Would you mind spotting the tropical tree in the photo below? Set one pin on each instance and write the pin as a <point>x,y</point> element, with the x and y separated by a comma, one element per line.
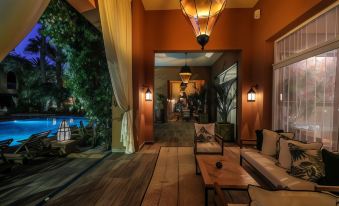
<point>38,45</point>
<point>86,71</point>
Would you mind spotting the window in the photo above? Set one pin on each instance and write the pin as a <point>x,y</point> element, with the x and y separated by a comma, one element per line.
<point>11,80</point>
<point>306,82</point>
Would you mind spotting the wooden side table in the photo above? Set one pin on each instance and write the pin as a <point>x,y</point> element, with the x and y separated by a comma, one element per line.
<point>65,147</point>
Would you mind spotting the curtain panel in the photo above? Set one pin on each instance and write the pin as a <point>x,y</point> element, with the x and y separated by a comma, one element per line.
<point>17,19</point>
<point>116,23</point>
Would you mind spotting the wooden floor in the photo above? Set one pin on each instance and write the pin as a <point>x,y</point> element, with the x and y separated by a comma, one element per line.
<point>121,179</point>
<point>29,184</point>
<point>174,181</point>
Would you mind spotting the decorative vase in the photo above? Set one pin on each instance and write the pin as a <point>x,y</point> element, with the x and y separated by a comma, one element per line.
<point>218,164</point>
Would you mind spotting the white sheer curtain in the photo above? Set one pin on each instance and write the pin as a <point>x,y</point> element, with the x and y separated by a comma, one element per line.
<point>116,23</point>
<point>17,19</point>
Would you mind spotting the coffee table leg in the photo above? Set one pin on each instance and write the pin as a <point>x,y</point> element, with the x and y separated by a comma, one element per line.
<point>206,196</point>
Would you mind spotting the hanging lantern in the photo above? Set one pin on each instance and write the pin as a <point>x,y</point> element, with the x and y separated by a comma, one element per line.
<point>202,14</point>
<point>251,95</point>
<point>185,72</point>
<point>148,95</point>
<point>183,86</point>
<point>64,132</point>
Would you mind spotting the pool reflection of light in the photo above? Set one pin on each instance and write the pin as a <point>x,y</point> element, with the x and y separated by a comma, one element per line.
<point>22,129</point>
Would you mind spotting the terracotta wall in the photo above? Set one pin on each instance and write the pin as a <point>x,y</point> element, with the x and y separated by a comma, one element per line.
<point>235,30</point>
<point>138,22</point>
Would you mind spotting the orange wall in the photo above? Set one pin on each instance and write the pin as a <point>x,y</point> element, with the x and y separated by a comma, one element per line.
<point>138,71</point>
<point>235,30</point>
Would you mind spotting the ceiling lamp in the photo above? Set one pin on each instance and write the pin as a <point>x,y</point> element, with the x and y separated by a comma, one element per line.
<point>185,72</point>
<point>183,86</point>
<point>202,14</point>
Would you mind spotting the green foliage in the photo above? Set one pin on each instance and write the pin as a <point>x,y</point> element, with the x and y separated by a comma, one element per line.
<point>226,98</point>
<point>86,73</point>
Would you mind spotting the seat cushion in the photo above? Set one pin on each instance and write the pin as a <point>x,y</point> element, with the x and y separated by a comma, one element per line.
<point>278,176</point>
<point>262,197</point>
<point>208,147</point>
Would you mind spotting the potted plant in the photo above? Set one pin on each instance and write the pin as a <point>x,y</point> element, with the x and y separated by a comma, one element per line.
<point>226,102</point>
<point>160,108</point>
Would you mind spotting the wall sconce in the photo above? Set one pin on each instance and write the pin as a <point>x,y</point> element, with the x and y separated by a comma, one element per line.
<point>148,95</point>
<point>251,95</point>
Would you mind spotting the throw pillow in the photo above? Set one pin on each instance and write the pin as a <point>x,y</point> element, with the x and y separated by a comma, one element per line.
<point>283,135</point>
<point>306,164</point>
<point>262,197</point>
<point>207,130</point>
<point>284,158</point>
<point>269,146</point>
<point>331,161</point>
<point>260,137</point>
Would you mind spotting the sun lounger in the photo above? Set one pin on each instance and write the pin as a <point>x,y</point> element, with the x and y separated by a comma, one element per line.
<point>29,149</point>
<point>4,145</point>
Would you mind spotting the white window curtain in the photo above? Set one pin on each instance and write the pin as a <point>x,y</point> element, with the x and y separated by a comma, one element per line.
<point>17,19</point>
<point>306,99</point>
<point>116,23</point>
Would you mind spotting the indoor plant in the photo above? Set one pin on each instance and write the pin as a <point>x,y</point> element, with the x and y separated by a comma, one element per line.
<point>226,101</point>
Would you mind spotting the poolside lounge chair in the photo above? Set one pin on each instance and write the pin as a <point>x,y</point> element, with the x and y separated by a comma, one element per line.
<point>4,145</point>
<point>29,149</point>
<point>89,132</point>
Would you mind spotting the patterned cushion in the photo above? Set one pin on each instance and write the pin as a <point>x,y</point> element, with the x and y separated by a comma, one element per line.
<point>207,131</point>
<point>306,163</point>
<point>284,157</point>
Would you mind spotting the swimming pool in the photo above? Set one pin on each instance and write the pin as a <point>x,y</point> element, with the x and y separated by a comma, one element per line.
<point>24,128</point>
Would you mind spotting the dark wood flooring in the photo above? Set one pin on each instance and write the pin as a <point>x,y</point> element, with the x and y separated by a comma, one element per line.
<point>118,179</point>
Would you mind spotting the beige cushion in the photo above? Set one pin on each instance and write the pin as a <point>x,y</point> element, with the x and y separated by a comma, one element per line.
<point>269,145</point>
<point>278,176</point>
<point>262,197</point>
<point>285,159</point>
<point>209,147</point>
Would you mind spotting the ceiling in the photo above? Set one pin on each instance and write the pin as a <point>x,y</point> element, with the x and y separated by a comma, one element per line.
<point>174,4</point>
<point>193,59</point>
<point>88,9</point>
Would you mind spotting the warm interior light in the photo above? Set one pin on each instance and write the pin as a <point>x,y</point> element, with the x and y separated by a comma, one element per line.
<point>202,14</point>
<point>251,95</point>
<point>185,72</point>
<point>148,95</point>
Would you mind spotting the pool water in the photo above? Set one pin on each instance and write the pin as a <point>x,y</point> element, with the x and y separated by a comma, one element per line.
<point>24,128</point>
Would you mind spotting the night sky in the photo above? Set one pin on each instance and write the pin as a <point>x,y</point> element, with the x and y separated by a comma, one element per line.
<point>20,49</point>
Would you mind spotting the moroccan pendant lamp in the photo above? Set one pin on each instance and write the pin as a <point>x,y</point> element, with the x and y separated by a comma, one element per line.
<point>202,14</point>
<point>185,72</point>
<point>183,86</point>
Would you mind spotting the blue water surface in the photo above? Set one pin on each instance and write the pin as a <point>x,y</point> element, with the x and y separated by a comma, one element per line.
<point>24,128</point>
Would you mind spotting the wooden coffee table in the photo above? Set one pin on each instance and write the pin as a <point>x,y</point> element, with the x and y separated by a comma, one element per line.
<point>232,176</point>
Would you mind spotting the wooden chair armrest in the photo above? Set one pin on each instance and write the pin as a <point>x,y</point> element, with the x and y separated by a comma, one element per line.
<point>326,188</point>
<point>218,136</point>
